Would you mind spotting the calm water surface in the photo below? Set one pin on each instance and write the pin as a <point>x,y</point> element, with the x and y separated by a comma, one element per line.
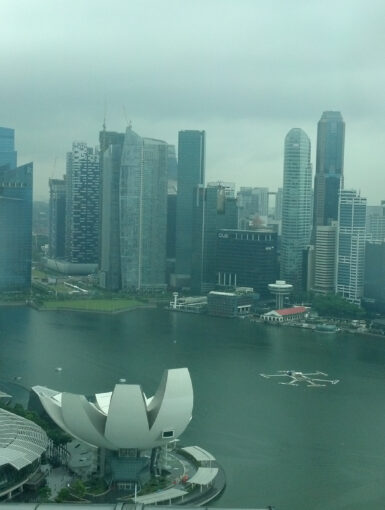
<point>297,448</point>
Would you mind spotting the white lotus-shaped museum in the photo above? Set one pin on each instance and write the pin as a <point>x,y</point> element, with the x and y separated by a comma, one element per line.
<point>125,417</point>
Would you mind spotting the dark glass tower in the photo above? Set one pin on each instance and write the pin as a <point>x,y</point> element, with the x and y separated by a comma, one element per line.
<point>191,173</point>
<point>57,217</point>
<point>8,155</point>
<point>329,168</point>
<point>110,275</point>
<point>212,211</point>
<point>15,227</point>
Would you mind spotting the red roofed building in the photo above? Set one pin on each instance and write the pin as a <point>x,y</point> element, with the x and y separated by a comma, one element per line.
<point>285,314</point>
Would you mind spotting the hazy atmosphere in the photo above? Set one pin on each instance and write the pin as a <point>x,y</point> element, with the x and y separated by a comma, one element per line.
<point>244,71</point>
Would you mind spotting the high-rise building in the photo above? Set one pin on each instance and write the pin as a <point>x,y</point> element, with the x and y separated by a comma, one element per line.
<point>253,203</point>
<point>329,167</point>
<point>213,210</point>
<point>8,155</point>
<point>106,139</point>
<point>110,273</point>
<point>374,281</point>
<point>296,205</point>
<point>375,222</point>
<point>172,164</point>
<point>247,258</point>
<point>351,245</point>
<point>325,259</point>
<point>143,212</point>
<point>278,204</point>
<point>82,207</point>
<point>191,173</point>
<point>57,218</point>
<point>15,227</point>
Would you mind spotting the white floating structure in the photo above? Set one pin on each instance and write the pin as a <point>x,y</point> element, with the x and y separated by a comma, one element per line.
<point>124,418</point>
<point>280,289</point>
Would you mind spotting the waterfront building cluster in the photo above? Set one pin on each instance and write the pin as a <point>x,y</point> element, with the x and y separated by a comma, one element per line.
<point>138,215</point>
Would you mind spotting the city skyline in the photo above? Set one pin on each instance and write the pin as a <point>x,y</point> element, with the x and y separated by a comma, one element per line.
<point>244,93</point>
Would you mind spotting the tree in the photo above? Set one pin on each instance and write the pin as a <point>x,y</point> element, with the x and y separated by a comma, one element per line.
<point>332,305</point>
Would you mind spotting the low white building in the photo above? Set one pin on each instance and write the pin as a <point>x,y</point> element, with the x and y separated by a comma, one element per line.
<point>285,314</point>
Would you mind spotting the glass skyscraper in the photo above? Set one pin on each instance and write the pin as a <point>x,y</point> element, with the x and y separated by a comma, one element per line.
<point>57,218</point>
<point>8,155</point>
<point>296,205</point>
<point>143,212</point>
<point>191,173</point>
<point>15,227</point>
<point>110,275</point>
<point>329,167</point>
<point>213,210</point>
<point>351,245</point>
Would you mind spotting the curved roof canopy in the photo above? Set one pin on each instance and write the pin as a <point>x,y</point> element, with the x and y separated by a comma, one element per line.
<point>21,441</point>
<point>125,417</point>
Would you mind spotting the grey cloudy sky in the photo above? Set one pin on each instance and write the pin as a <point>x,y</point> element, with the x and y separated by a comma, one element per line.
<point>246,71</point>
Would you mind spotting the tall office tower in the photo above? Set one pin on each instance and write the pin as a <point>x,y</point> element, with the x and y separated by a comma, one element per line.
<point>329,167</point>
<point>296,206</point>
<point>191,173</point>
<point>278,204</point>
<point>15,227</point>
<point>8,155</point>
<point>325,259</point>
<point>110,273</point>
<point>247,258</point>
<point>106,138</point>
<point>57,218</point>
<point>82,207</point>
<point>351,245</point>
<point>375,222</point>
<point>172,164</point>
<point>143,212</point>
<point>253,203</point>
<point>213,211</point>
<point>374,280</point>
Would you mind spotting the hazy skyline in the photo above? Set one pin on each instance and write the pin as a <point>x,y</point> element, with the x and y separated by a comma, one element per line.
<point>244,71</point>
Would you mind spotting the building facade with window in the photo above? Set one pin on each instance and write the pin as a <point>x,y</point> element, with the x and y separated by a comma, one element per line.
<point>296,206</point>
<point>247,258</point>
<point>351,246</point>
<point>16,227</point>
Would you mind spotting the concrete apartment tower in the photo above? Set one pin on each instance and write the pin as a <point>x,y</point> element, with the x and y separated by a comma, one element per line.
<point>351,246</point>
<point>191,174</point>
<point>143,212</point>
<point>296,205</point>
<point>82,205</point>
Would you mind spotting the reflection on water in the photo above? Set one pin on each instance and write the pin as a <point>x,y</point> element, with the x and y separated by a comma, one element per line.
<point>294,447</point>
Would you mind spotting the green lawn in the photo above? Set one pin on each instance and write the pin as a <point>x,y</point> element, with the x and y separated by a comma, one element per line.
<point>98,305</point>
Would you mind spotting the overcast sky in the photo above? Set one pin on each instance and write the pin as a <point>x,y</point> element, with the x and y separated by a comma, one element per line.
<point>246,71</point>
